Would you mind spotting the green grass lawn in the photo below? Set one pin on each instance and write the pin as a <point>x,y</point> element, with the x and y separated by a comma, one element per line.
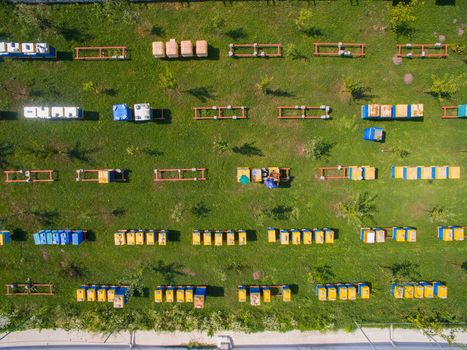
<point>183,142</point>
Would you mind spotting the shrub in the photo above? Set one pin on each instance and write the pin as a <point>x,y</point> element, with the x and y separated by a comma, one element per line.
<point>402,17</point>
<point>91,86</point>
<point>263,85</point>
<point>303,21</point>
<point>317,148</point>
<point>216,23</point>
<point>292,52</point>
<point>357,209</point>
<point>356,89</point>
<point>200,210</point>
<point>167,80</point>
<point>219,145</point>
<point>446,86</point>
<point>439,214</point>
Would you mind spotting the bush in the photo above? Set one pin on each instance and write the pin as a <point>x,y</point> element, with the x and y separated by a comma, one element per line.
<point>357,209</point>
<point>303,21</point>
<point>91,86</point>
<point>220,146</point>
<point>446,86</point>
<point>167,80</point>
<point>317,148</point>
<point>402,17</point>
<point>292,52</point>
<point>263,85</point>
<point>356,89</point>
<point>439,214</point>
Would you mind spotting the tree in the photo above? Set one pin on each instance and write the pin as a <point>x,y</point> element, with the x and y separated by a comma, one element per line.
<point>434,325</point>
<point>357,209</point>
<point>263,85</point>
<point>446,86</point>
<point>167,80</point>
<point>402,17</point>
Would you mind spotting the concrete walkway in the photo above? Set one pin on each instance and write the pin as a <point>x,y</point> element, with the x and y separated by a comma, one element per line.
<point>382,338</point>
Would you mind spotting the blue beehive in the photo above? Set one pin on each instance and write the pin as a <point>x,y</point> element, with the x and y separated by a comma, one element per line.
<point>46,236</point>
<point>77,237</point>
<point>65,237</point>
<point>56,237</point>
<point>121,112</point>
<point>37,238</point>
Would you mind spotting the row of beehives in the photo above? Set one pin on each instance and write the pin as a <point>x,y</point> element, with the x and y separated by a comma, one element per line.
<point>368,235</point>
<point>171,49</point>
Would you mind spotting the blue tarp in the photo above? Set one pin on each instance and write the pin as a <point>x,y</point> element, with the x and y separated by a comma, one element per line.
<point>270,183</point>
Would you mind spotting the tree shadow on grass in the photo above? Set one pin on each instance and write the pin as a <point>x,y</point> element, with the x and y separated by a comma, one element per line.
<point>80,153</point>
<point>280,212</point>
<point>200,210</point>
<point>168,271</point>
<point>404,271</point>
<point>313,32</point>
<point>323,274</point>
<point>236,34</point>
<point>248,149</point>
<point>6,150</point>
<point>44,217</point>
<point>279,93</point>
<point>202,93</point>
<point>157,31</point>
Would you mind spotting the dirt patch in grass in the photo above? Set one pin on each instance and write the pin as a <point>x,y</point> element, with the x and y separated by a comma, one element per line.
<point>186,271</point>
<point>408,78</point>
<point>337,88</point>
<point>418,209</point>
<point>397,60</point>
<point>301,149</point>
<point>17,91</point>
<point>256,275</point>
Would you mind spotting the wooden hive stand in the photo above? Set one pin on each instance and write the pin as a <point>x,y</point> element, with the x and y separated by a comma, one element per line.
<point>100,53</point>
<point>29,176</point>
<point>44,289</point>
<point>257,50</point>
<point>437,50</point>
<point>283,110</point>
<point>217,113</point>
<point>340,49</point>
<point>180,174</point>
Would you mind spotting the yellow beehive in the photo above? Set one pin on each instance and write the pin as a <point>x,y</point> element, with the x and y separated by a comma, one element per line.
<point>158,295</point>
<point>411,235</point>
<point>458,233</point>
<point>342,292</point>
<point>398,291</point>
<point>332,293</point>
<point>285,237</point>
<point>242,294</point>
<point>180,295</point>
<point>120,237</point>
<point>295,237</point>
<point>81,294</point>
<point>111,294</point>
<point>418,291</point>
<point>266,295</point>
<point>218,238</point>
<point>102,294</point>
<point>271,235</point>
<point>196,238</point>
<point>91,294</point>
<point>207,237</point>
<point>150,239</point>
<point>189,294</point>
<point>408,291</point>
<point>169,295</point>
<point>286,294</point>
<point>130,238</point>
<point>329,236</point>
<point>319,236</point>
<point>351,292</point>
<point>399,233</point>
<point>364,291</point>
<point>230,237</point>
<point>307,237</point>
<point>428,290</point>
<point>242,237</point>
<point>322,293</point>
<point>162,237</point>
<point>139,237</point>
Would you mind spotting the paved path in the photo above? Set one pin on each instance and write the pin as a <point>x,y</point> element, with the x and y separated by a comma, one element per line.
<point>61,339</point>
